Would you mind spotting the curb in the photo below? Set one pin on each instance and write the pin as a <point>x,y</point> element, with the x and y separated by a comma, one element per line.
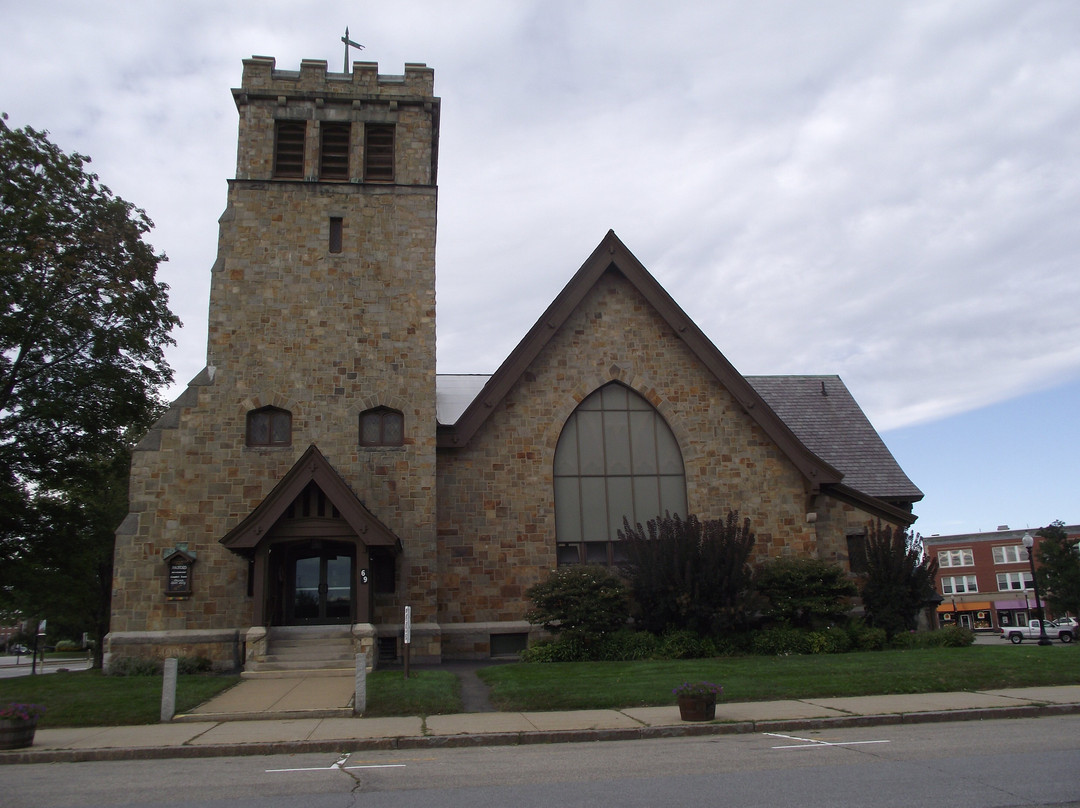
<point>527,738</point>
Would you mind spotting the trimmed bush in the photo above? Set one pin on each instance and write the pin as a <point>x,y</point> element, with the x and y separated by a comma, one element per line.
<point>67,646</point>
<point>133,666</point>
<point>626,646</point>
<point>584,600</point>
<point>780,641</point>
<point>193,664</point>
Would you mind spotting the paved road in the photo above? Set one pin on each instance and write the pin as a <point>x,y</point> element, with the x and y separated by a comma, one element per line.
<point>11,666</point>
<point>1028,762</point>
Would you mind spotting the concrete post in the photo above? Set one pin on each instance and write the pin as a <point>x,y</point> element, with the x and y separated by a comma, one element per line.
<point>168,691</point>
<point>360,698</point>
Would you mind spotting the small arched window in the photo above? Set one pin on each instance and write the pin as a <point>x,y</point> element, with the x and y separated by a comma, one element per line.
<point>616,457</point>
<point>382,427</point>
<point>269,426</point>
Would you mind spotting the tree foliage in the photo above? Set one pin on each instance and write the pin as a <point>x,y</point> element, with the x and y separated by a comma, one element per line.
<point>64,566</point>
<point>83,325</point>
<point>83,321</point>
<point>689,574</point>
<point>586,600</point>
<point>804,592</point>
<point>1059,569</point>
<point>899,579</point>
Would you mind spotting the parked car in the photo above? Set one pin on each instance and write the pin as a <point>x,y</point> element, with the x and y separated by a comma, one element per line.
<point>1017,634</point>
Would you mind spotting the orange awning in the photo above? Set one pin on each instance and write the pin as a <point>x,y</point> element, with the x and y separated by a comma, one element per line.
<point>966,606</point>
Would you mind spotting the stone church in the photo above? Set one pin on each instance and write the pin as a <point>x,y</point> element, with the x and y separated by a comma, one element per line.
<point>319,476</point>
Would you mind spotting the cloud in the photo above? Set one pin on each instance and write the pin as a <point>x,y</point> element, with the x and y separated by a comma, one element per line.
<point>884,191</point>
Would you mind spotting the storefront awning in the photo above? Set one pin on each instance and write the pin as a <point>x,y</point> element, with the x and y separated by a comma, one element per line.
<point>969,606</point>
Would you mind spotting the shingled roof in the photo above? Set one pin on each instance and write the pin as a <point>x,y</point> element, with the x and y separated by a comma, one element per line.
<point>821,411</point>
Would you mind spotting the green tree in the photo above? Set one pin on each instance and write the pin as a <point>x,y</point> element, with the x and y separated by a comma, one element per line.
<point>64,567</point>
<point>83,326</point>
<point>804,592</point>
<point>585,600</point>
<point>899,578</point>
<point>689,574</point>
<point>83,321</point>
<point>1059,569</point>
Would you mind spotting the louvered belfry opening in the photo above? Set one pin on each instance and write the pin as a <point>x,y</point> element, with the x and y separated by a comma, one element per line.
<point>379,152</point>
<point>334,151</point>
<point>289,148</point>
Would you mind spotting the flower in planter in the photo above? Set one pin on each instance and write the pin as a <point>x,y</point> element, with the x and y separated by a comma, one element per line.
<point>14,711</point>
<point>698,690</point>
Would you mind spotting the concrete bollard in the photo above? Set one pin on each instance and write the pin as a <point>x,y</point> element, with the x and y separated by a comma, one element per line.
<point>168,690</point>
<point>360,698</point>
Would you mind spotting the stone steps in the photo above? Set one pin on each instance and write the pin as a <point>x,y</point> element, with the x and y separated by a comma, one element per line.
<point>307,651</point>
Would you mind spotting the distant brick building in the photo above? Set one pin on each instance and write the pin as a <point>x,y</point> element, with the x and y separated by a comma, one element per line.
<point>318,473</point>
<point>984,579</point>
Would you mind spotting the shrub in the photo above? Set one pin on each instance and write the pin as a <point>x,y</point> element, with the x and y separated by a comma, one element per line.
<point>133,666</point>
<point>688,574</point>
<point>899,579</point>
<point>780,641</point>
<point>66,646</point>
<point>193,664</point>
<point>586,600</point>
<point>867,638</point>
<point>952,637</point>
<point>564,648</point>
<point>681,645</point>
<point>804,592</point>
<point>627,645</point>
<point>832,640</point>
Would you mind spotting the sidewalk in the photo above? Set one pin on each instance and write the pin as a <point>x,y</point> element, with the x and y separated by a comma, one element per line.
<point>282,718</point>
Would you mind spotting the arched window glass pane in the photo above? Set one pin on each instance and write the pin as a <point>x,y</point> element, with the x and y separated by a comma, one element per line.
<point>269,426</point>
<point>616,457</point>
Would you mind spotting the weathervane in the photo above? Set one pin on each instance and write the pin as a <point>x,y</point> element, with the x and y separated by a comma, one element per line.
<point>349,42</point>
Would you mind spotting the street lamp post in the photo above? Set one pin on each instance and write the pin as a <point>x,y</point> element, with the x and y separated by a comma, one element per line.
<point>1029,544</point>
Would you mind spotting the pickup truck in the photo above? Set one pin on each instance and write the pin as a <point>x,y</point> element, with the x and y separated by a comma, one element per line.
<point>1017,634</point>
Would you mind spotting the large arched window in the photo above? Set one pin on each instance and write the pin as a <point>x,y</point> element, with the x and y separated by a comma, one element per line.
<point>616,457</point>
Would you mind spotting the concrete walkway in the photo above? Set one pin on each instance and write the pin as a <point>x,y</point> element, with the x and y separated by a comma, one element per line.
<point>278,729</point>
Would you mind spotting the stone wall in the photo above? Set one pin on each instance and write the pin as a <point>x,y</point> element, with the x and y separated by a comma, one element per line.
<point>496,495</point>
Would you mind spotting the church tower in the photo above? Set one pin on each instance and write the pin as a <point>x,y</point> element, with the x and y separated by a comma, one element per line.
<point>294,481</point>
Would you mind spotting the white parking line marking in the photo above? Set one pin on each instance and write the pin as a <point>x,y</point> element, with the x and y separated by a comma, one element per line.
<point>339,764</point>
<point>809,743</point>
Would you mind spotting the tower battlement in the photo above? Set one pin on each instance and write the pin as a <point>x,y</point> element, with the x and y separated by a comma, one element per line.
<point>262,78</point>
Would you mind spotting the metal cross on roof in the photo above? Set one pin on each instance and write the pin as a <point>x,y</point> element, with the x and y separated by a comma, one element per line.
<point>349,42</point>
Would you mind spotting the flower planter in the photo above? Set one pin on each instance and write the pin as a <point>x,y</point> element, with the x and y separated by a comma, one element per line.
<point>696,708</point>
<point>17,733</point>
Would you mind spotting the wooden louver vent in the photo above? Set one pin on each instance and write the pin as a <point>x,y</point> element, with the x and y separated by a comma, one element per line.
<point>289,149</point>
<point>379,152</point>
<point>334,152</point>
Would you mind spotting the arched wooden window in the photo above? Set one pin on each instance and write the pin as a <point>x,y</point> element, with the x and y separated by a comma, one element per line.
<point>382,426</point>
<point>616,457</point>
<point>269,426</point>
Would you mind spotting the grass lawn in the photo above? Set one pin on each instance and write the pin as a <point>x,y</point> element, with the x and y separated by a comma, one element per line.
<point>586,685</point>
<point>90,699</point>
<point>427,692</point>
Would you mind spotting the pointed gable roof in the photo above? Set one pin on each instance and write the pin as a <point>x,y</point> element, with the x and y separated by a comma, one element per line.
<point>611,255</point>
<point>311,467</point>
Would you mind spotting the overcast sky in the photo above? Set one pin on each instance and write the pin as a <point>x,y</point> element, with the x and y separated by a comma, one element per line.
<point>888,191</point>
